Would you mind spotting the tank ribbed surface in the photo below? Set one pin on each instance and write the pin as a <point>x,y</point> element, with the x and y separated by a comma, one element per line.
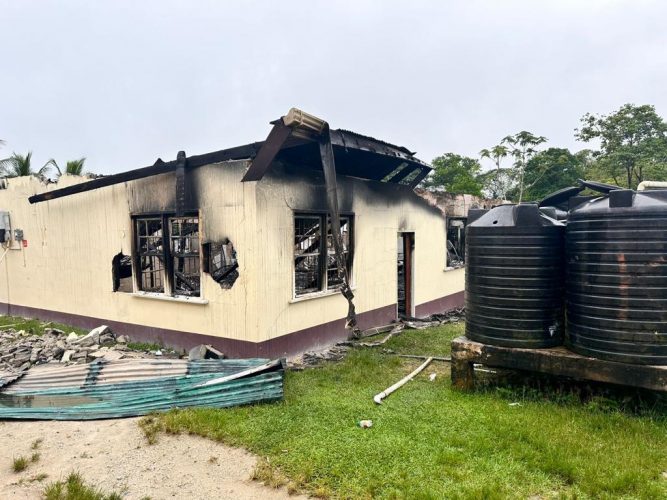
<point>514,278</point>
<point>617,277</point>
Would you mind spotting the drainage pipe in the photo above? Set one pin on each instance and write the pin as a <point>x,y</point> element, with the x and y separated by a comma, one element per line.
<point>379,397</point>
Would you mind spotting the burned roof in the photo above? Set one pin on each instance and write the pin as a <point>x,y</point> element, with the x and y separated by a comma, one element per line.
<point>356,155</point>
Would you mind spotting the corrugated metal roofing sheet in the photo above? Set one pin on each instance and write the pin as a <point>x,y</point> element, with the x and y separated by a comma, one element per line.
<point>112,389</point>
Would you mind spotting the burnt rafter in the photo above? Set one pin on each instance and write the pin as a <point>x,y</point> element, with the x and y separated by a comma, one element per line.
<point>160,167</point>
<point>294,136</point>
<point>181,183</point>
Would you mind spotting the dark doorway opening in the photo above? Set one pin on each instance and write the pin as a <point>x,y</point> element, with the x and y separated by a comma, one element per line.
<point>405,251</point>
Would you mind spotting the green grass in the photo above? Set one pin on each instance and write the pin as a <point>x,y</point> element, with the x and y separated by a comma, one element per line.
<point>19,464</point>
<point>74,488</point>
<point>35,326</point>
<point>429,441</point>
<point>144,346</point>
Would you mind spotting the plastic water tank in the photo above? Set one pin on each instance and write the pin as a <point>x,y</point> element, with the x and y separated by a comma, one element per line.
<point>514,278</point>
<point>617,277</point>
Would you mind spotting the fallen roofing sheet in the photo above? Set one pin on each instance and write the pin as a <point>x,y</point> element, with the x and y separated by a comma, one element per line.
<point>124,388</point>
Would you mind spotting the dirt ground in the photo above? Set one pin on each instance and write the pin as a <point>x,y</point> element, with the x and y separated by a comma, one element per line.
<point>114,455</point>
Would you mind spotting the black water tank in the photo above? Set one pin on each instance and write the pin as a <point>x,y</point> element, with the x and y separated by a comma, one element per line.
<point>617,277</point>
<point>514,278</point>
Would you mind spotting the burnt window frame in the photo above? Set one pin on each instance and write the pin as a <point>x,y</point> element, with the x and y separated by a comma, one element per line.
<point>167,254</point>
<point>457,244</point>
<point>323,251</point>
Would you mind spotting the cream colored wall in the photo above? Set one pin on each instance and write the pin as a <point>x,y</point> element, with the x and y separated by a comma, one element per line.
<point>71,241</point>
<point>66,266</point>
<point>381,211</point>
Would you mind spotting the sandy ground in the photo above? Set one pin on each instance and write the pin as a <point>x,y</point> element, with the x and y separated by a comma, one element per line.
<point>114,455</point>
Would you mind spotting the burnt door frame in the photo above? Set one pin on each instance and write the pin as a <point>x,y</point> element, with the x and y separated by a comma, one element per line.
<point>408,239</point>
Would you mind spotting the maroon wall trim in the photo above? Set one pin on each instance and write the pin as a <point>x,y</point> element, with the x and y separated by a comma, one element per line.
<point>442,304</point>
<point>286,345</point>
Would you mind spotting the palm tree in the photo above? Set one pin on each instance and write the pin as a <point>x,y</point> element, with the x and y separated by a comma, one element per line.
<point>18,165</point>
<point>73,167</point>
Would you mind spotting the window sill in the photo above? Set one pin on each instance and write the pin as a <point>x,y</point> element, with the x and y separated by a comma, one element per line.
<point>447,269</point>
<point>317,295</point>
<point>168,298</point>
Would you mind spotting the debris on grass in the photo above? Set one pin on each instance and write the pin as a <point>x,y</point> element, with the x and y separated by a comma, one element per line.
<point>365,424</point>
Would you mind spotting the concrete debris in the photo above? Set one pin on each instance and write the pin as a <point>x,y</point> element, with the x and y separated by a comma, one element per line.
<point>101,335</point>
<point>19,350</point>
<point>338,351</point>
<point>312,358</point>
<point>453,316</point>
<point>365,424</point>
<point>204,351</point>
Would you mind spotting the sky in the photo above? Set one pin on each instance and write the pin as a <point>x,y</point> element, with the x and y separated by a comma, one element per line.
<point>125,82</point>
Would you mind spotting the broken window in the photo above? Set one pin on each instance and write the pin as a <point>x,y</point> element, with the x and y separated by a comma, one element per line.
<point>151,252</point>
<point>456,234</point>
<point>168,255</point>
<point>333,279</point>
<point>184,239</point>
<point>307,251</point>
<point>220,262</point>
<point>121,271</point>
<point>315,267</point>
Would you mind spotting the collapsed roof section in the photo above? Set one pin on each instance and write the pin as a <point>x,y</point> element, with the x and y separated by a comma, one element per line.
<point>294,139</point>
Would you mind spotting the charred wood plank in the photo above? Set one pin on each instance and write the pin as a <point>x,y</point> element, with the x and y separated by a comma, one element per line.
<point>160,167</point>
<point>329,168</point>
<point>181,181</point>
<point>274,142</point>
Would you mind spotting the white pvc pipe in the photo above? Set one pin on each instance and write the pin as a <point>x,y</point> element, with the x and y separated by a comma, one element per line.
<point>379,397</point>
<point>651,184</point>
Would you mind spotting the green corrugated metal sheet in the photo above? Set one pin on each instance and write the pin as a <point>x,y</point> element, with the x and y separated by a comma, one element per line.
<point>126,388</point>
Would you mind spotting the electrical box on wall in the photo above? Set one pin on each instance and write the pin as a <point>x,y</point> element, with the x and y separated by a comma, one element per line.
<point>5,227</point>
<point>18,234</point>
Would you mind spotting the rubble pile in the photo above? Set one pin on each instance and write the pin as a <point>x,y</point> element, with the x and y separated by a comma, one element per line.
<point>19,350</point>
<point>338,351</point>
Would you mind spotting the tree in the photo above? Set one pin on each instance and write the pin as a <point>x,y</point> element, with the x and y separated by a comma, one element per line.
<point>551,170</point>
<point>633,143</point>
<point>522,147</point>
<point>455,174</point>
<point>497,183</point>
<point>497,154</point>
<point>18,165</point>
<point>73,167</point>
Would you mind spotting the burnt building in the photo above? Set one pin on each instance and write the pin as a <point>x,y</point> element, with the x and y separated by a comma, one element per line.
<point>266,249</point>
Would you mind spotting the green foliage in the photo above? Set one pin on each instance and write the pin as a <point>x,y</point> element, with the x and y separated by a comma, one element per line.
<point>550,170</point>
<point>73,167</point>
<point>35,326</point>
<point>19,464</point>
<point>18,165</point>
<point>74,488</point>
<point>455,174</point>
<point>633,144</point>
<point>522,146</point>
<point>429,441</point>
<point>496,183</point>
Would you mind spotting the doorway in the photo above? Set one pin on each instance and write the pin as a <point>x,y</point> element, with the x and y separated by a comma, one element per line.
<point>405,250</point>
